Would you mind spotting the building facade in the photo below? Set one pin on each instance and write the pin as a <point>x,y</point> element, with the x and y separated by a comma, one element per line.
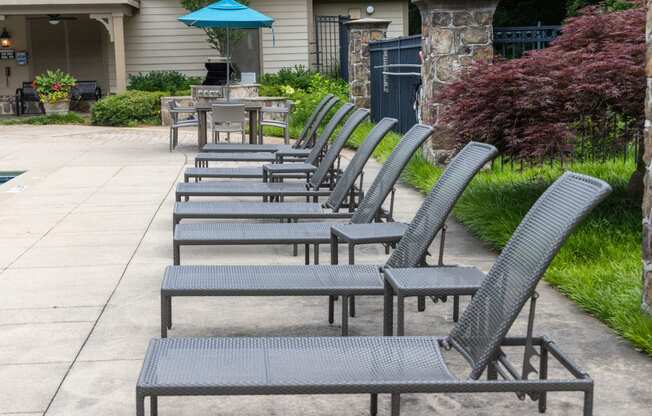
<point>106,40</point>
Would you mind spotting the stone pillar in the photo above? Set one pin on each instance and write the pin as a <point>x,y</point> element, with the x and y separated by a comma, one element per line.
<point>647,157</point>
<point>455,33</point>
<point>361,32</point>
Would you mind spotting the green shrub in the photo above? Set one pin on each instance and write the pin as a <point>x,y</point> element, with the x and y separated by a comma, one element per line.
<point>128,109</point>
<point>298,77</point>
<point>305,88</point>
<point>173,82</point>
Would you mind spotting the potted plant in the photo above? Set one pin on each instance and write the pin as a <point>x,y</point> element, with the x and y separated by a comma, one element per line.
<point>53,88</point>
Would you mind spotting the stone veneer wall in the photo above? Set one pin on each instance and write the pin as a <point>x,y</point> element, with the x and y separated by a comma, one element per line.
<point>647,198</point>
<point>361,32</point>
<point>455,33</point>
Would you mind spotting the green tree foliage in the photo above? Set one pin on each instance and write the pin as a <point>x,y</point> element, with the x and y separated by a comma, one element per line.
<point>530,12</point>
<point>573,6</point>
<point>216,36</point>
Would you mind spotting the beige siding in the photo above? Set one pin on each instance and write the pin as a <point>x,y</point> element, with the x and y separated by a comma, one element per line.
<point>155,40</point>
<point>393,10</point>
<point>291,26</point>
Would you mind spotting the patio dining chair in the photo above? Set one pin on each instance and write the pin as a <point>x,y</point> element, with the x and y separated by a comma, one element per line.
<point>318,168</point>
<point>312,157</point>
<point>280,155</point>
<point>228,118</point>
<point>304,140</point>
<point>227,366</point>
<point>176,122</point>
<point>278,117</point>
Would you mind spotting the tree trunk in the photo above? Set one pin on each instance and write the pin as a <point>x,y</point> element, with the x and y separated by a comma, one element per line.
<point>647,195</point>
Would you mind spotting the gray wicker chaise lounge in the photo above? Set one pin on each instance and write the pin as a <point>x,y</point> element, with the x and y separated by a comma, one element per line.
<point>396,365</point>
<point>370,209</point>
<point>351,280</point>
<point>319,169</point>
<point>304,140</point>
<point>201,170</point>
<point>345,183</point>
<point>316,147</point>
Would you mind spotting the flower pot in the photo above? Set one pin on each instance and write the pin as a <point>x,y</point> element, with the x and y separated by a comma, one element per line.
<point>59,107</point>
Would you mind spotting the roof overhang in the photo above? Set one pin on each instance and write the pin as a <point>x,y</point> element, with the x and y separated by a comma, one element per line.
<point>27,7</point>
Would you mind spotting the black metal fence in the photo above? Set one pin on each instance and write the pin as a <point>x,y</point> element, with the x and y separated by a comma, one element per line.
<point>331,46</point>
<point>513,42</point>
<point>395,79</point>
<point>610,139</point>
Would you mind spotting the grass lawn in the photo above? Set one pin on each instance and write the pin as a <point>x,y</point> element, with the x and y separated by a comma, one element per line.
<point>70,118</point>
<point>599,267</point>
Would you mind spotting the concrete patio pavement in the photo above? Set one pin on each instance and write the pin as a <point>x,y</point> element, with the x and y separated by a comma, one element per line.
<point>86,235</point>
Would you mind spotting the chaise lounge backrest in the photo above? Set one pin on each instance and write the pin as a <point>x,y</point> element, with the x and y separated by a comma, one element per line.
<point>314,120</point>
<point>514,276</point>
<point>354,168</point>
<point>327,162</point>
<point>389,173</point>
<point>329,129</point>
<point>436,208</point>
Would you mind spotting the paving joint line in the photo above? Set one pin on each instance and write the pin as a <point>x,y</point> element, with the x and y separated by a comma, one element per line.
<point>115,288</point>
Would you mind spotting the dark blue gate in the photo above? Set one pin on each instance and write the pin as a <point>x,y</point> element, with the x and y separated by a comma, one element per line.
<point>395,79</point>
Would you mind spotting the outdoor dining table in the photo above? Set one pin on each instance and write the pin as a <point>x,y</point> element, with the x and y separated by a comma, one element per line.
<point>252,108</point>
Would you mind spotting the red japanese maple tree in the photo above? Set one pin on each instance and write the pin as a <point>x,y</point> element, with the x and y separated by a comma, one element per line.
<point>531,106</point>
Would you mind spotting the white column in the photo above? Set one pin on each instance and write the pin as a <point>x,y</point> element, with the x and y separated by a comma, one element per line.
<point>119,50</point>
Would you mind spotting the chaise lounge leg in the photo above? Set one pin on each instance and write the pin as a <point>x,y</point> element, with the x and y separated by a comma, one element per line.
<point>421,303</point>
<point>164,317</point>
<point>345,315</point>
<point>388,311</point>
<point>176,254</point>
<point>153,406</point>
<point>140,405</point>
<point>456,308</point>
<point>316,254</point>
<point>588,402</point>
<point>543,375</point>
<point>306,249</point>
<point>331,309</point>
<point>400,316</point>
<point>352,306</point>
<point>373,405</point>
<point>396,404</point>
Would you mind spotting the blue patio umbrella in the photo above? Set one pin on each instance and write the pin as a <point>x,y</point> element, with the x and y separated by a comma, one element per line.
<point>227,14</point>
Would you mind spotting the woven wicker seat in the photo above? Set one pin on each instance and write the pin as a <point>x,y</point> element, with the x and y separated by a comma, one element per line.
<point>229,366</point>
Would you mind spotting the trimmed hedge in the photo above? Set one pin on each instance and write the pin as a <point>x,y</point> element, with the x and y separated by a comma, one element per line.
<point>129,109</point>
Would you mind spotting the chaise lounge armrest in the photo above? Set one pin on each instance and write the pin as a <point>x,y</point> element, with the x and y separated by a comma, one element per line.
<point>435,281</point>
<point>269,171</point>
<point>292,153</point>
<point>369,233</point>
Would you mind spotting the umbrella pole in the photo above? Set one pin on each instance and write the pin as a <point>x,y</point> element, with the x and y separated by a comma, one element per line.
<point>228,64</point>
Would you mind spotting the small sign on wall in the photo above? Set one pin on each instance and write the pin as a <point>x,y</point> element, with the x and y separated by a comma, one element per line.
<point>21,58</point>
<point>6,54</point>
